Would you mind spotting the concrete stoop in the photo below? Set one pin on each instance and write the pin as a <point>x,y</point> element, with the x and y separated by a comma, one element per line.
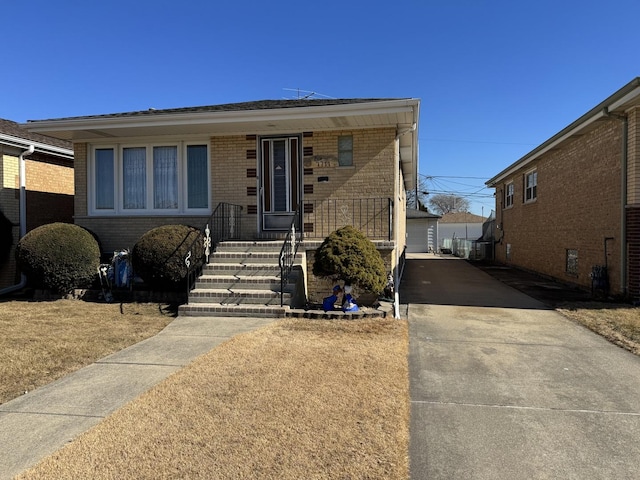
<point>242,279</point>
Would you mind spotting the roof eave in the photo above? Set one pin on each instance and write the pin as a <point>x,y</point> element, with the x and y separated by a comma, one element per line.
<point>222,117</point>
<point>618,101</point>
<point>23,144</point>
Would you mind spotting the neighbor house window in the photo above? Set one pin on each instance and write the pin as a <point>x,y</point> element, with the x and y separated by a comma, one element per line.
<point>530,186</point>
<point>572,261</point>
<point>150,179</point>
<point>345,150</point>
<point>508,251</point>
<point>508,195</point>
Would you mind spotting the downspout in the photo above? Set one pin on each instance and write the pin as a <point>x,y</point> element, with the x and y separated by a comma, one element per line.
<point>623,195</point>
<point>396,276</point>
<point>23,213</point>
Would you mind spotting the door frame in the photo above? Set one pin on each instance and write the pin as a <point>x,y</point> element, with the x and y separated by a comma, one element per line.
<point>269,219</point>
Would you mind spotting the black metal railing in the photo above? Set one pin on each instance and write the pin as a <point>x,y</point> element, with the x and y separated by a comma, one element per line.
<point>289,250</point>
<point>223,224</point>
<point>372,216</point>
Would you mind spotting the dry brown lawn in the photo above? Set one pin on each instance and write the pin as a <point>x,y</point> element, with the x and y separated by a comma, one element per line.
<point>618,323</point>
<point>296,399</point>
<point>43,341</point>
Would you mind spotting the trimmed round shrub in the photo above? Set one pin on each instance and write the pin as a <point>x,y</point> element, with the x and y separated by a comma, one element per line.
<point>159,256</point>
<point>6,238</point>
<point>59,257</point>
<point>347,254</point>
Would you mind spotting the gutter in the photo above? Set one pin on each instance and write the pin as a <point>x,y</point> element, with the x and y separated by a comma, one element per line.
<point>23,213</point>
<point>17,142</point>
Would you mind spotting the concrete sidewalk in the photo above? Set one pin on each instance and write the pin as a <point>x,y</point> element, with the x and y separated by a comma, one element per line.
<point>502,387</point>
<point>41,422</point>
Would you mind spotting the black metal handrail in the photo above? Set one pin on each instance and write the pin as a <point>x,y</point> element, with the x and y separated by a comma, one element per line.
<point>372,216</point>
<point>223,224</point>
<point>289,250</point>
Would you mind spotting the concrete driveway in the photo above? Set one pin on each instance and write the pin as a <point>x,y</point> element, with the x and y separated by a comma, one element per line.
<point>502,387</point>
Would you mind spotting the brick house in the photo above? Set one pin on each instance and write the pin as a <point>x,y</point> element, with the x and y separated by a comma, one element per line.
<point>334,162</point>
<point>42,193</point>
<point>572,205</point>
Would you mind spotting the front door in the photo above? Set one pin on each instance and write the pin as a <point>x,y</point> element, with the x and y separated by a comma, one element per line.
<point>279,181</point>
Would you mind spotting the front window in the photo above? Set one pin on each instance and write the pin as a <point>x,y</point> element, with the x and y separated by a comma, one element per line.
<point>150,179</point>
<point>345,150</point>
<point>508,195</point>
<point>104,178</point>
<point>165,177</point>
<point>134,178</point>
<point>531,186</point>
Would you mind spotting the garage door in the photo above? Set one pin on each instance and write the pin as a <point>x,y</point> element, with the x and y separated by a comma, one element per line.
<point>417,235</point>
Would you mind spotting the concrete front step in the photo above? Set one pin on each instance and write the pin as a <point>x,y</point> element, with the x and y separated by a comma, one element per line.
<point>222,310</point>
<point>243,282</point>
<point>237,296</point>
<point>242,279</point>
<point>262,246</point>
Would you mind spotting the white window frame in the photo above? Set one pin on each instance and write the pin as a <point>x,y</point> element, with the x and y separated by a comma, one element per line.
<point>342,152</point>
<point>533,188</point>
<point>509,190</point>
<point>181,149</point>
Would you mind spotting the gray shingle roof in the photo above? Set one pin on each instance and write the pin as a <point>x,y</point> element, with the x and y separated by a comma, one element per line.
<point>13,129</point>
<point>237,107</point>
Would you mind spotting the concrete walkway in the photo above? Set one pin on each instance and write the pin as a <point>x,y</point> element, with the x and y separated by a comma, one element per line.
<point>39,423</point>
<point>504,388</point>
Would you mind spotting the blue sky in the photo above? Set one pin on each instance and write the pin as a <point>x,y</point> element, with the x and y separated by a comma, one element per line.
<point>495,78</point>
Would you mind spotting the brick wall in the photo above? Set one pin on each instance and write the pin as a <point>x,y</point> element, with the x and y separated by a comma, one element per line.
<point>633,239</point>
<point>117,233</point>
<point>49,198</point>
<point>578,205</point>
<point>371,176</point>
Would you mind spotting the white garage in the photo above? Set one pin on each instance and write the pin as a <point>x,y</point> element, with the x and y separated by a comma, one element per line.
<point>422,231</point>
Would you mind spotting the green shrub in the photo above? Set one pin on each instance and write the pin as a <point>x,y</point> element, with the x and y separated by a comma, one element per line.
<point>6,238</point>
<point>58,257</point>
<point>347,254</point>
<point>159,256</point>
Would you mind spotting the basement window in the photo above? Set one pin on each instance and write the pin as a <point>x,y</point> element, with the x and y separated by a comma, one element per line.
<point>572,261</point>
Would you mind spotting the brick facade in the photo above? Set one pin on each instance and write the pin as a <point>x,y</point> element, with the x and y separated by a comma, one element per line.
<point>578,208</point>
<point>235,178</point>
<point>49,198</point>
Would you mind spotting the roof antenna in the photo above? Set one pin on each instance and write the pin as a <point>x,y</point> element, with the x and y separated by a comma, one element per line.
<point>306,94</point>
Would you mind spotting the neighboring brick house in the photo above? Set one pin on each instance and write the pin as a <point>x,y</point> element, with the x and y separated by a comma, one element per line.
<point>573,203</point>
<point>48,186</point>
<point>341,161</point>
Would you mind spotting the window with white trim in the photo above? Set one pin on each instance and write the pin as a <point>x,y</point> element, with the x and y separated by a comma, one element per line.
<point>531,186</point>
<point>345,150</point>
<point>508,195</point>
<point>149,179</point>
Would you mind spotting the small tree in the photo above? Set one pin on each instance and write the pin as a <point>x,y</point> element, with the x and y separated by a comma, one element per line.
<point>443,203</point>
<point>348,255</point>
